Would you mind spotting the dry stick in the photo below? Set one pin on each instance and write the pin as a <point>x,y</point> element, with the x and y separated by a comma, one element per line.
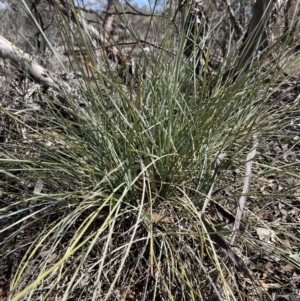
<point>238,27</point>
<point>242,202</point>
<point>107,28</point>
<point>247,179</point>
<point>289,19</point>
<point>137,13</point>
<point>66,10</point>
<point>26,63</point>
<point>92,33</point>
<point>109,19</point>
<point>139,41</point>
<point>212,181</point>
<point>125,12</point>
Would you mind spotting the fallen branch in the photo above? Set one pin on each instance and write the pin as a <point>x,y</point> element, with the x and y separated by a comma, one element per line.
<point>45,78</point>
<point>28,64</point>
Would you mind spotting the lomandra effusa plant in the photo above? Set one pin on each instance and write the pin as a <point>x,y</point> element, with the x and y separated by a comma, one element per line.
<point>112,189</point>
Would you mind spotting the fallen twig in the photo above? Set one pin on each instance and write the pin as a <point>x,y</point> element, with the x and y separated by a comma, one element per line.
<point>24,62</point>
<point>237,26</point>
<point>247,179</point>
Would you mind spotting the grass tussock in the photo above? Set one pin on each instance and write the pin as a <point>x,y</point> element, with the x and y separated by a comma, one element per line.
<point>102,198</point>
